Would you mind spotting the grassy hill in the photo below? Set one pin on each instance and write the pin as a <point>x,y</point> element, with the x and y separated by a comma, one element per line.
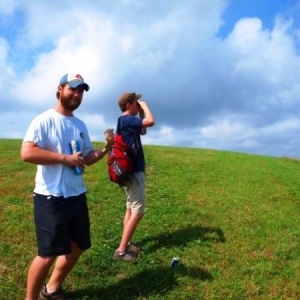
<point>232,218</point>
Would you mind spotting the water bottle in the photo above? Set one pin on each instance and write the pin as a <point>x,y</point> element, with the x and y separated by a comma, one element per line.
<point>74,145</point>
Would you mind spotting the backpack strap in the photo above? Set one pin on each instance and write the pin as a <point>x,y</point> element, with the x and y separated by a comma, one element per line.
<point>118,130</point>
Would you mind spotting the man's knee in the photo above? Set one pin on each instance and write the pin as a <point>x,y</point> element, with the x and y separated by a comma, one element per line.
<point>45,260</point>
<point>139,216</point>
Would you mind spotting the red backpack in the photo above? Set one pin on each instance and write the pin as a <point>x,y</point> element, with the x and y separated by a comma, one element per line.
<point>119,160</point>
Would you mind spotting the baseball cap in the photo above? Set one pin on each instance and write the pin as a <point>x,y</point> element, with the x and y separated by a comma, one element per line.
<point>128,97</point>
<point>74,81</point>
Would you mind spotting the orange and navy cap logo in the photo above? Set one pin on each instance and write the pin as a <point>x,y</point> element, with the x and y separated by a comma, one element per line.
<point>74,80</point>
<point>72,77</point>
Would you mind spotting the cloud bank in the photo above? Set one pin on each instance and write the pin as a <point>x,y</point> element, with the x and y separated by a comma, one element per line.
<point>236,91</point>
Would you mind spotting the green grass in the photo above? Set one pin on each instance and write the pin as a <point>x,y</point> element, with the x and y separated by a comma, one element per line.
<point>232,218</point>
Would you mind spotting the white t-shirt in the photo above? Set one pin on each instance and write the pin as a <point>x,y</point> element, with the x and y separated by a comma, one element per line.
<point>54,131</point>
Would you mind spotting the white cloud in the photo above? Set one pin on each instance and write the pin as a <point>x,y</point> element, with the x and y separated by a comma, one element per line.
<point>238,92</point>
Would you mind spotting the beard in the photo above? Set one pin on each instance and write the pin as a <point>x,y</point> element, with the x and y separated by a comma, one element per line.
<point>69,103</point>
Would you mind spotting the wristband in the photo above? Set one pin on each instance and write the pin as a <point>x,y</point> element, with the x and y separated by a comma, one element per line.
<point>104,150</point>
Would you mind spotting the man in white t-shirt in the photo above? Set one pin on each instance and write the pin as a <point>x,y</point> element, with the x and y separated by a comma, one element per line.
<point>60,208</point>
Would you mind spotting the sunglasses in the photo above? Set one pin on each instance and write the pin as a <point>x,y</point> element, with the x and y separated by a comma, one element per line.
<point>131,98</point>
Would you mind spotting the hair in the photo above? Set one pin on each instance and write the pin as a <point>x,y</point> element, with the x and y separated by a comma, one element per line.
<point>58,93</point>
<point>123,107</point>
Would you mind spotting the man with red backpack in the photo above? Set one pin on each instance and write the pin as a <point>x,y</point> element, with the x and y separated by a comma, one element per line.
<point>131,127</point>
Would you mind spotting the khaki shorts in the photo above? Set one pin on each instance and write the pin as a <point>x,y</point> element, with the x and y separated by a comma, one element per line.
<point>135,191</point>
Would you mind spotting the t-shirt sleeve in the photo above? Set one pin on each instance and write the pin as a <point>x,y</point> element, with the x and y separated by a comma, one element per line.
<point>35,132</point>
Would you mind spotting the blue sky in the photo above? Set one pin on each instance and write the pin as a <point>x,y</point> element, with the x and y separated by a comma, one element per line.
<point>266,10</point>
<point>217,74</point>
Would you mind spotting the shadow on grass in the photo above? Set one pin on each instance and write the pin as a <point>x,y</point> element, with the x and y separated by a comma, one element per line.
<point>159,280</point>
<point>183,236</point>
<point>150,282</point>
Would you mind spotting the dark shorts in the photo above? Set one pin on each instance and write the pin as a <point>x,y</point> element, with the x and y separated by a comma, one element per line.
<point>59,221</point>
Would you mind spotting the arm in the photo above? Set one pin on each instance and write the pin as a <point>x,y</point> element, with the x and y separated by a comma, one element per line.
<point>95,156</point>
<point>32,153</point>
<point>142,116</point>
<point>146,115</point>
<point>98,154</point>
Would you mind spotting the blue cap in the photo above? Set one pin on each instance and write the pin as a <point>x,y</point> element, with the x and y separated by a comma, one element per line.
<point>74,81</point>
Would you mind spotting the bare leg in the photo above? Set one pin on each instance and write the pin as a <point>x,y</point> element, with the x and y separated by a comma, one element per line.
<point>126,217</point>
<point>37,274</point>
<point>130,223</point>
<point>64,264</point>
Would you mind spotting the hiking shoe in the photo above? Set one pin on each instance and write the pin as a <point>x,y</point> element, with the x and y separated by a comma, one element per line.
<point>57,295</point>
<point>125,256</point>
<point>133,249</point>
